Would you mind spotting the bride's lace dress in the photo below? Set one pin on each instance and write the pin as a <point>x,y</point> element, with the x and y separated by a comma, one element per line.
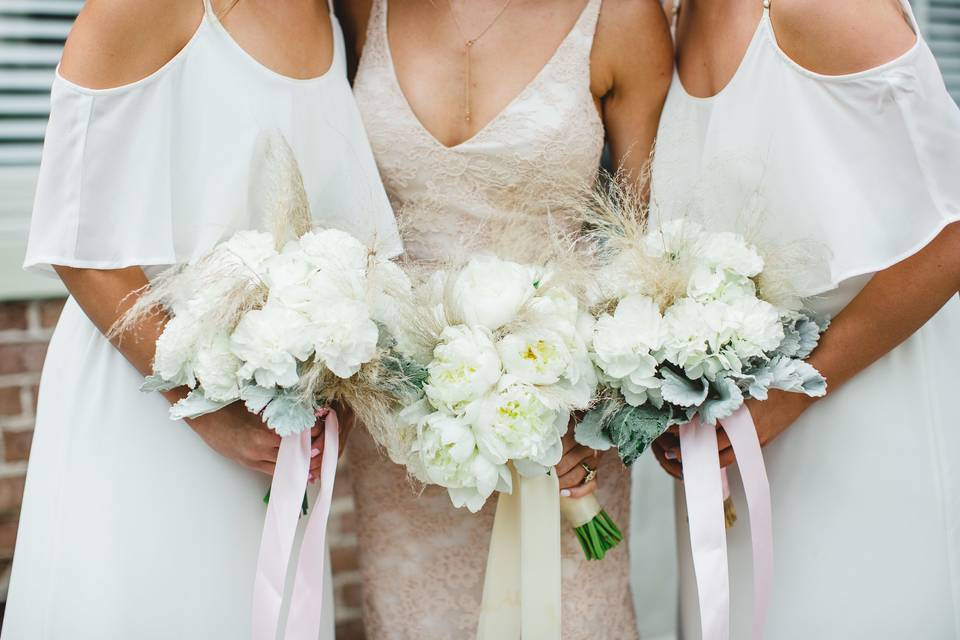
<point>422,560</point>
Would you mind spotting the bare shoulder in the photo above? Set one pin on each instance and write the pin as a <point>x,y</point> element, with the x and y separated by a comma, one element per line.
<point>835,38</point>
<point>632,42</point>
<point>115,42</point>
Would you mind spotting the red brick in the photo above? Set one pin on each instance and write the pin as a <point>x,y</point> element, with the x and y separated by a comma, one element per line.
<point>8,537</point>
<point>343,559</point>
<point>16,445</point>
<point>22,358</point>
<point>10,401</point>
<point>13,316</point>
<point>350,595</point>
<point>351,630</point>
<point>11,494</point>
<point>50,312</point>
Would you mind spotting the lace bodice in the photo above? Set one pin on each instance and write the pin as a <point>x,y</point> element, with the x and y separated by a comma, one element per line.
<point>550,134</point>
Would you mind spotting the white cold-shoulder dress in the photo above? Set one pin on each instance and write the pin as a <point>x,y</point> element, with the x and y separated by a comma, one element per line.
<point>866,484</point>
<point>132,528</point>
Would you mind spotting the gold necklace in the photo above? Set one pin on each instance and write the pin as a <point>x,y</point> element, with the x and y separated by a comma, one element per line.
<point>467,47</point>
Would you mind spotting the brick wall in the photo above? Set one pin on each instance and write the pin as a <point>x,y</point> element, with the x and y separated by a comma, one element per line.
<point>25,329</point>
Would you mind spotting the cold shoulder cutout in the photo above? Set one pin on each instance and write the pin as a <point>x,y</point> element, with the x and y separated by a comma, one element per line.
<point>864,164</point>
<point>156,171</point>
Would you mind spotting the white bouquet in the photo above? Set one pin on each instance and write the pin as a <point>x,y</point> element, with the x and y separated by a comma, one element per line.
<point>286,330</point>
<point>504,346</point>
<point>287,321</point>
<point>699,348</point>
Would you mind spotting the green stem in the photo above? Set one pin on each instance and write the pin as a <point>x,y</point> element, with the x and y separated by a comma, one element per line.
<point>598,536</point>
<point>303,507</point>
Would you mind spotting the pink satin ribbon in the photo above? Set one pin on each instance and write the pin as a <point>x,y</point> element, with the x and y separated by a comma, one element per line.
<point>279,531</point>
<point>703,486</point>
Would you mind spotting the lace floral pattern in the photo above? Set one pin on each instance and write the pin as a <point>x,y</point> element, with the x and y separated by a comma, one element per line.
<point>422,560</point>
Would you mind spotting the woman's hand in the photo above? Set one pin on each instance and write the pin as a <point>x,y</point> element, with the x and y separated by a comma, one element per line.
<point>241,436</point>
<point>771,417</point>
<point>571,469</point>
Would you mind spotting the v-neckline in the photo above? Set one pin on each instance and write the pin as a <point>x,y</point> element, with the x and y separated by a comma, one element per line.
<point>502,113</point>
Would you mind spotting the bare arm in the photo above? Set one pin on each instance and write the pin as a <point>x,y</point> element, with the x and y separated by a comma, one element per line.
<point>115,42</point>
<point>634,49</point>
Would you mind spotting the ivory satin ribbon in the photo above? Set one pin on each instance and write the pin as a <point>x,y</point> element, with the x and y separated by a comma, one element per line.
<point>704,494</point>
<point>279,529</point>
<point>521,589</point>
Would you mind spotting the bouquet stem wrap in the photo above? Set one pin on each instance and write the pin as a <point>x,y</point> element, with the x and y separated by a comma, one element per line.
<point>704,494</point>
<point>279,530</point>
<point>595,530</point>
<point>521,590</point>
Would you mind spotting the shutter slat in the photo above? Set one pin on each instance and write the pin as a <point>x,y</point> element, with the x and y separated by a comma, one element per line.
<point>68,8</point>
<point>34,105</point>
<point>26,28</point>
<point>25,80</point>
<point>22,128</point>
<point>47,55</point>
<point>19,155</point>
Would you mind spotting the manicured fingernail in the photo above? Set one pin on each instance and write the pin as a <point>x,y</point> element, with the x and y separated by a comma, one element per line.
<point>670,455</point>
<point>565,493</point>
<point>314,453</point>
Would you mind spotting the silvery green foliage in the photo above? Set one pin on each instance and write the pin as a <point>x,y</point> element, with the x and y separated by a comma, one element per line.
<point>287,414</point>
<point>700,352</point>
<point>194,405</point>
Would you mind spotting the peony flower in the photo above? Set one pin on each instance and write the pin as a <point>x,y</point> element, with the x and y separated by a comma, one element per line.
<point>217,368</point>
<point>489,292</point>
<point>344,337</point>
<point>270,341</point>
<point>535,355</point>
<point>449,456</point>
<point>465,367</point>
<point>624,345</point>
<point>517,424</point>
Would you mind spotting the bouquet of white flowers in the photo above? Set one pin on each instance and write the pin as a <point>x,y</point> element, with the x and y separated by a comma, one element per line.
<point>288,322</point>
<point>697,342</point>
<point>690,324</point>
<point>504,347</point>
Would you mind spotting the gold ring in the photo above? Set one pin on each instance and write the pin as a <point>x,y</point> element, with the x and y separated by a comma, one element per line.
<point>591,473</point>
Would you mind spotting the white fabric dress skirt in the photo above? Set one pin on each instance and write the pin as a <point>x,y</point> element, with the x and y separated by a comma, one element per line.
<point>132,527</point>
<point>865,485</point>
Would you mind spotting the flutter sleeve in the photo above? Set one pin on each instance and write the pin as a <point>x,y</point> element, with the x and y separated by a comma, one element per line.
<point>103,196</point>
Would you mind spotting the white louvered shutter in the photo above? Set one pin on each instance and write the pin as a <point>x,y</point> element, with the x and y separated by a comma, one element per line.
<point>32,33</point>
<point>940,22</point>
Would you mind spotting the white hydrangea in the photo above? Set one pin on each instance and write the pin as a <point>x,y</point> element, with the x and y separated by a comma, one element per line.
<point>489,292</point>
<point>465,367</point>
<point>334,250</point>
<point>624,345</point>
<point>271,341</point>
<point>516,423</point>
